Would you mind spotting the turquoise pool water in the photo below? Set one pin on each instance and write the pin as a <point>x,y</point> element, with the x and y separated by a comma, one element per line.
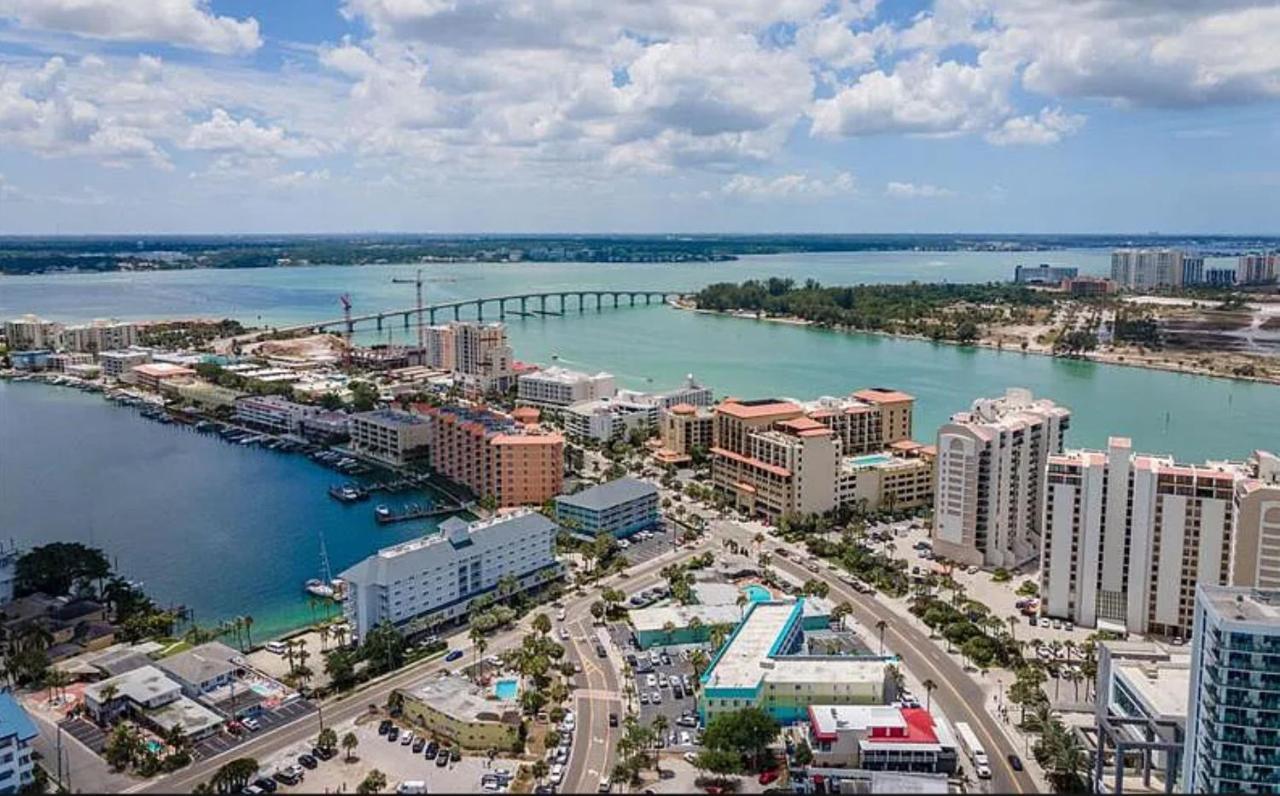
<point>757,593</point>
<point>506,689</point>
<point>869,459</point>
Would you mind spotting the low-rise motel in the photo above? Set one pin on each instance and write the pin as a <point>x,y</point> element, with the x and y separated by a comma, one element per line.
<point>762,665</point>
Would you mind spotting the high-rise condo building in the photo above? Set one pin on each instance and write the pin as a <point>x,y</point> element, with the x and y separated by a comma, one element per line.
<point>493,455</point>
<point>1128,537</point>
<point>1146,269</point>
<point>483,356</point>
<point>101,335</point>
<point>30,332</point>
<point>1255,559</point>
<point>1233,734</point>
<point>440,347</point>
<point>989,495</point>
<point>1257,269</point>
<point>425,582</point>
<point>868,421</point>
<point>1192,269</point>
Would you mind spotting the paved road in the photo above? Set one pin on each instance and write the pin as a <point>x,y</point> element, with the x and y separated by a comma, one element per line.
<point>82,769</point>
<point>957,695</point>
<point>335,711</point>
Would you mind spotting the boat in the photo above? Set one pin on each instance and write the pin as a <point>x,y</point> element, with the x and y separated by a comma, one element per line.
<point>318,588</point>
<point>382,511</point>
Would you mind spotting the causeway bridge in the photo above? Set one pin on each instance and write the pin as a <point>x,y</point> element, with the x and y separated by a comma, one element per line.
<point>499,308</point>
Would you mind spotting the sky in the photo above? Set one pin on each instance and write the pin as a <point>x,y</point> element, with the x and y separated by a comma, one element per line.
<point>454,116</point>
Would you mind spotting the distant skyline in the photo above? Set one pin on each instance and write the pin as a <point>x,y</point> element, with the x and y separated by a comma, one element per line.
<point>821,116</point>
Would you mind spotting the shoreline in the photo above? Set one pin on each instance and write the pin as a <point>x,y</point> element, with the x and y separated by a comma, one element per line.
<point>1102,358</point>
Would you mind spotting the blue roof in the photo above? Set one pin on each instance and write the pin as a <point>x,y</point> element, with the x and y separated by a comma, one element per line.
<point>395,416</point>
<point>14,719</point>
<point>609,494</point>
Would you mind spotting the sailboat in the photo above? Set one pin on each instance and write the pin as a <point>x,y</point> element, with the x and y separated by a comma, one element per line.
<point>326,585</point>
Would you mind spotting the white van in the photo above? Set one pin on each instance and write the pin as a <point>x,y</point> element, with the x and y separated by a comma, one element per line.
<point>275,647</point>
<point>412,786</point>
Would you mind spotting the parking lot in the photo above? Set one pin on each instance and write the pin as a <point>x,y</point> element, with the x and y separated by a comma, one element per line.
<point>266,720</point>
<point>86,732</point>
<point>675,665</point>
<point>396,760</point>
<point>639,551</point>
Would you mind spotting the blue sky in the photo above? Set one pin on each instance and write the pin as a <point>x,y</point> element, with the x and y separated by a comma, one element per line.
<point>121,116</point>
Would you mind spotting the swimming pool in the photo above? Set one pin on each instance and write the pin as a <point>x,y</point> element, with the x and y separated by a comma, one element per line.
<point>870,459</point>
<point>506,689</point>
<point>757,593</point>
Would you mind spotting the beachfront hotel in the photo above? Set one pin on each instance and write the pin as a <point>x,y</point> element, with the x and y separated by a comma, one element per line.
<point>451,707</point>
<point>762,665</point>
<point>554,387</point>
<point>989,495</point>
<point>437,577</point>
<point>1233,736</point>
<point>493,454</point>
<point>1127,537</point>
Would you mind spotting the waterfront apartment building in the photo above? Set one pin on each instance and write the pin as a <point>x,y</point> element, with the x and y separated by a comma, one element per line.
<point>151,375</point>
<point>483,357</point>
<point>100,335</point>
<point>1127,537</point>
<point>424,582</point>
<point>989,494</point>
<point>1140,716</point>
<point>867,421</point>
<point>763,665</point>
<point>770,459</point>
<point>557,387</point>
<point>1257,269</point>
<point>274,413</point>
<point>31,332</point>
<point>1044,274</point>
<point>606,419</point>
<point>1146,269</point>
<point>1192,269</point>
<point>440,347</point>
<point>619,508</point>
<point>494,455</point>
<point>58,363</point>
<point>17,731</point>
<point>901,479</point>
<point>389,435</point>
<point>880,738</point>
<point>691,393</point>
<point>682,429</point>
<point>117,363</point>
<point>1233,735</point>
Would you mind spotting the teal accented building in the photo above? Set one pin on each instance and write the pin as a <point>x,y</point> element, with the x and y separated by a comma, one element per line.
<point>620,508</point>
<point>762,665</point>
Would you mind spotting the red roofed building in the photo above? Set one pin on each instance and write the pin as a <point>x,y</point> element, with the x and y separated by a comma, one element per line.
<point>880,738</point>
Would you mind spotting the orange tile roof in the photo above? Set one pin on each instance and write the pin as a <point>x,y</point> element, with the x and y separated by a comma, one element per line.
<point>527,439</point>
<point>743,411</point>
<point>878,396</point>
<point>802,423</point>
<point>683,409</point>
<point>906,445</point>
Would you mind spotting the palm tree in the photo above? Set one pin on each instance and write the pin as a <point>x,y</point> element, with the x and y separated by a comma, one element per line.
<point>108,693</point>
<point>929,685</point>
<point>323,630</point>
<point>248,629</point>
<point>1013,623</point>
<point>339,633</point>
<point>349,744</point>
<point>881,626</point>
<point>57,680</point>
<point>479,645</point>
<point>741,602</point>
<point>288,649</point>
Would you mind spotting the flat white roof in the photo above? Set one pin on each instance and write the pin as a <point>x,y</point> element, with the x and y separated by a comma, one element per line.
<point>1163,685</point>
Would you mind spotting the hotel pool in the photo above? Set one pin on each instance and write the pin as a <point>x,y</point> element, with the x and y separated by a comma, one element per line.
<point>870,459</point>
<point>757,593</point>
<point>506,689</point>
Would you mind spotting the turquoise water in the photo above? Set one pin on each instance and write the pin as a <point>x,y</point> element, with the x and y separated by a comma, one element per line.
<point>757,593</point>
<point>507,689</point>
<point>231,530</point>
<point>223,529</point>
<point>870,458</point>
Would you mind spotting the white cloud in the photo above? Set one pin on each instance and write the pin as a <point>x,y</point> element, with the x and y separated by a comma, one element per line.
<point>911,190</point>
<point>1050,126</point>
<point>223,133</point>
<point>184,23</point>
<point>920,95</point>
<point>788,186</point>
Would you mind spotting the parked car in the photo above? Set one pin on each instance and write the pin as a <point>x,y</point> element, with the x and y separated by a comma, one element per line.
<point>275,647</point>
<point>265,784</point>
<point>307,761</point>
<point>250,724</point>
<point>407,738</point>
<point>455,754</point>
<point>321,753</point>
<point>442,758</point>
<point>419,745</point>
<point>431,750</point>
<point>393,734</point>
<point>384,726</point>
